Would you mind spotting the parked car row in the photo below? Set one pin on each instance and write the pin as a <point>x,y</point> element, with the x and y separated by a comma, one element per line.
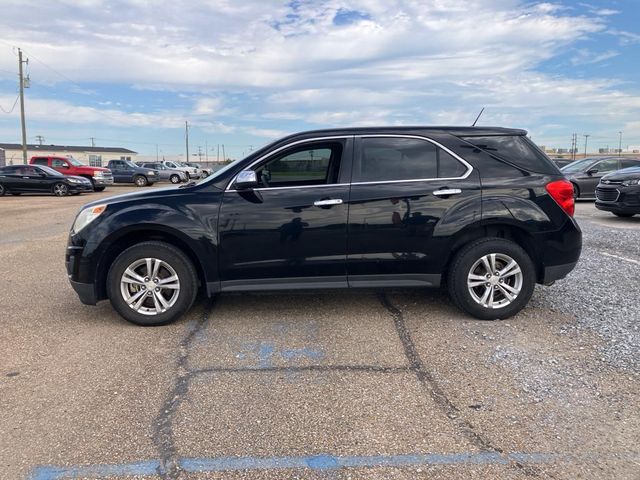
<point>612,181</point>
<point>63,176</point>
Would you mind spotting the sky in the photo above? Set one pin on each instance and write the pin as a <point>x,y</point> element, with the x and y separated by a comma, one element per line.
<point>129,73</point>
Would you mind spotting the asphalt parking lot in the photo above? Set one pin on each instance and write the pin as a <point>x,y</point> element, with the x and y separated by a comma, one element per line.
<point>355,385</point>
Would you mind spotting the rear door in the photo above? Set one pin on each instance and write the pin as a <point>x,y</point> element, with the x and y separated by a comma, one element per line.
<point>290,231</point>
<point>408,197</point>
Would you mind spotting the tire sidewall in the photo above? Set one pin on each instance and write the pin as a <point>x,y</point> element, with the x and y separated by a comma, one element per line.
<point>140,181</point>
<point>462,266</point>
<point>169,254</point>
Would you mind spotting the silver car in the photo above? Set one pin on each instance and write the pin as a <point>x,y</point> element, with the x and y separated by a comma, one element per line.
<point>166,173</point>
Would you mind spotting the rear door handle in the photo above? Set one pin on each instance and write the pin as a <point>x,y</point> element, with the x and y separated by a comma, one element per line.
<point>445,192</point>
<point>327,202</point>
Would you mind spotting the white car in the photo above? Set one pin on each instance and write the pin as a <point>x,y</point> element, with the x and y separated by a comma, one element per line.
<point>190,171</point>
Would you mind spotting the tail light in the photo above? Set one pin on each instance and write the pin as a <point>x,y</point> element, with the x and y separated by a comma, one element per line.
<point>562,192</point>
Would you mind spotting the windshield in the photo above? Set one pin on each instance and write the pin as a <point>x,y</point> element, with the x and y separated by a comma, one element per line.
<point>577,166</point>
<point>75,162</point>
<point>50,171</point>
<point>131,164</point>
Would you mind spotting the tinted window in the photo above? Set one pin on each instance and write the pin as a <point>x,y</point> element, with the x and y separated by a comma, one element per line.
<point>315,165</point>
<point>394,159</point>
<point>49,171</point>
<point>629,162</point>
<point>609,165</point>
<point>8,170</point>
<point>40,161</point>
<point>516,149</point>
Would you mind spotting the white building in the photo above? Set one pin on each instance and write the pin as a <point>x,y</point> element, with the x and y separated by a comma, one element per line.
<point>95,156</point>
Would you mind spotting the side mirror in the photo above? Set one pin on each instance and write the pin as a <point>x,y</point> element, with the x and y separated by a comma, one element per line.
<point>64,165</point>
<point>591,171</point>
<point>246,179</point>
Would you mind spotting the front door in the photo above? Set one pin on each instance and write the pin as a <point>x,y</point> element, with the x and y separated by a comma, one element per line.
<point>408,197</point>
<point>291,230</point>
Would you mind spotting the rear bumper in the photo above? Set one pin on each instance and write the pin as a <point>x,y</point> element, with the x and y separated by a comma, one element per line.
<point>557,272</point>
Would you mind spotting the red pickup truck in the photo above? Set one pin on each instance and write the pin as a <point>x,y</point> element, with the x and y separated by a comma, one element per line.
<point>100,177</point>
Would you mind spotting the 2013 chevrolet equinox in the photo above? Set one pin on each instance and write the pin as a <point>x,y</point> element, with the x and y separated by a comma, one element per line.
<point>479,209</point>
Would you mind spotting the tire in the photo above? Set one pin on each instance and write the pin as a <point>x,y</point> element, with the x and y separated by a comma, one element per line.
<point>15,194</point>
<point>98,189</point>
<point>3,190</point>
<point>576,191</point>
<point>174,178</point>
<point>468,261</point>
<point>150,184</point>
<point>173,262</point>
<point>60,189</point>
<point>623,215</point>
<point>140,181</point>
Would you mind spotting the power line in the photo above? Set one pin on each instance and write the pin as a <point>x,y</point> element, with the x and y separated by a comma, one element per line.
<point>12,108</point>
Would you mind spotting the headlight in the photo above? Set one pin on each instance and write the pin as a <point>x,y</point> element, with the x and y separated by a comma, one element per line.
<point>86,216</point>
<point>73,180</point>
<point>628,183</point>
<point>151,172</point>
<point>98,174</point>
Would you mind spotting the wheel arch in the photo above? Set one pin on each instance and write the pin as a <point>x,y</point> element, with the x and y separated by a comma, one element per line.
<point>126,238</point>
<point>504,230</point>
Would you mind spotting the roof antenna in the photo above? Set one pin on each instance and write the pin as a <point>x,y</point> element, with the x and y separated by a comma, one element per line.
<point>478,117</point>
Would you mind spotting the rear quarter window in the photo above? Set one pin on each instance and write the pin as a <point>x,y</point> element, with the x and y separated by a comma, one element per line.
<point>515,149</point>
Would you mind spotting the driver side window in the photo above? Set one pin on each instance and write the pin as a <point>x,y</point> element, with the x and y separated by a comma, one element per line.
<point>607,165</point>
<point>316,164</point>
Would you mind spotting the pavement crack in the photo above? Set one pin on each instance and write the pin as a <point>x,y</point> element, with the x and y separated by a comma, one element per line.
<point>428,382</point>
<point>163,435</point>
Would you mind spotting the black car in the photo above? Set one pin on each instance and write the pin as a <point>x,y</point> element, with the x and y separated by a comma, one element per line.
<point>585,174</point>
<point>481,210</point>
<point>17,179</point>
<point>619,192</point>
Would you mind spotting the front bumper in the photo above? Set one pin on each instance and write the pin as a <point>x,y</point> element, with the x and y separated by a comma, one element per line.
<point>625,200</point>
<point>80,187</point>
<point>103,181</point>
<point>73,263</point>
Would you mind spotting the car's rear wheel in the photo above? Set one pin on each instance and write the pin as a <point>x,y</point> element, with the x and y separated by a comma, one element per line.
<point>60,189</point>
<point>174,179</point>
<point>140,181</point>
<point>152,283</point>
<point>491,278</point>
<point>2,190</point>
<point>624,215</point>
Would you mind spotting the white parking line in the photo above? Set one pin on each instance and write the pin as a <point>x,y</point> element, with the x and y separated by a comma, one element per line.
<point>620,258</point>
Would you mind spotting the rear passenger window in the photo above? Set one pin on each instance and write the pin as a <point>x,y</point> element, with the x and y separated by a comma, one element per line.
<point>396,159</point>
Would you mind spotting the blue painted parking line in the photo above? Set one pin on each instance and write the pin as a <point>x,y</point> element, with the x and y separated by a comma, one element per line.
<point>313,462</point>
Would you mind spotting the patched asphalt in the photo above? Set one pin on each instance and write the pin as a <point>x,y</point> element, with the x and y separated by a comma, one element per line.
<point>395,384</point>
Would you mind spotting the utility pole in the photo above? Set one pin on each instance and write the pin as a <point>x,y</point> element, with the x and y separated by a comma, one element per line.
<point>40,139</point>
<point>157,155</point>
<point>218,154</point>
<point>574,145</point>
<point>22,119</point>
<point>620,144</point>
<point>199,154</point>
<point>224,156</point>
<point>586,139</point>
<point>186,138</point>
<point>206,151</point>
<point>93,141</point>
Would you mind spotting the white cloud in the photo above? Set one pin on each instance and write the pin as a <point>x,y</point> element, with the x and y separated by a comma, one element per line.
<point>587,57</point>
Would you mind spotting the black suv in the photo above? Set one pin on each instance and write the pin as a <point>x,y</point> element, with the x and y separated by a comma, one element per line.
<point>481,210</point>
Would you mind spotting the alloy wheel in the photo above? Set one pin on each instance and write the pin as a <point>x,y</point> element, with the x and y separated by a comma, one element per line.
<point>60,190</point>
<point>495,280</point>
<point>150,286</point>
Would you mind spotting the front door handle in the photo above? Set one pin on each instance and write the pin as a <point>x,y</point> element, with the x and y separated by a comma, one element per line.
<point>328,202</point>
<point>445,192</point>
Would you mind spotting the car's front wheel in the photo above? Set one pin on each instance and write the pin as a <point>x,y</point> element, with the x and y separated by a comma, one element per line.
<point>140,181</point>
<point>152,283</point>
<point>491,278</point>
<point>99,189</point>
<point>60,189</point>
<point>174,178</point>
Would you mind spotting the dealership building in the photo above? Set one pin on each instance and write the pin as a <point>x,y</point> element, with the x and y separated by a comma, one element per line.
<point>11,153</point>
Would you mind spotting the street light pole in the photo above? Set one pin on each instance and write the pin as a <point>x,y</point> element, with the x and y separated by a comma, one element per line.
<point>586,138</point>
<point>620,144</point>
